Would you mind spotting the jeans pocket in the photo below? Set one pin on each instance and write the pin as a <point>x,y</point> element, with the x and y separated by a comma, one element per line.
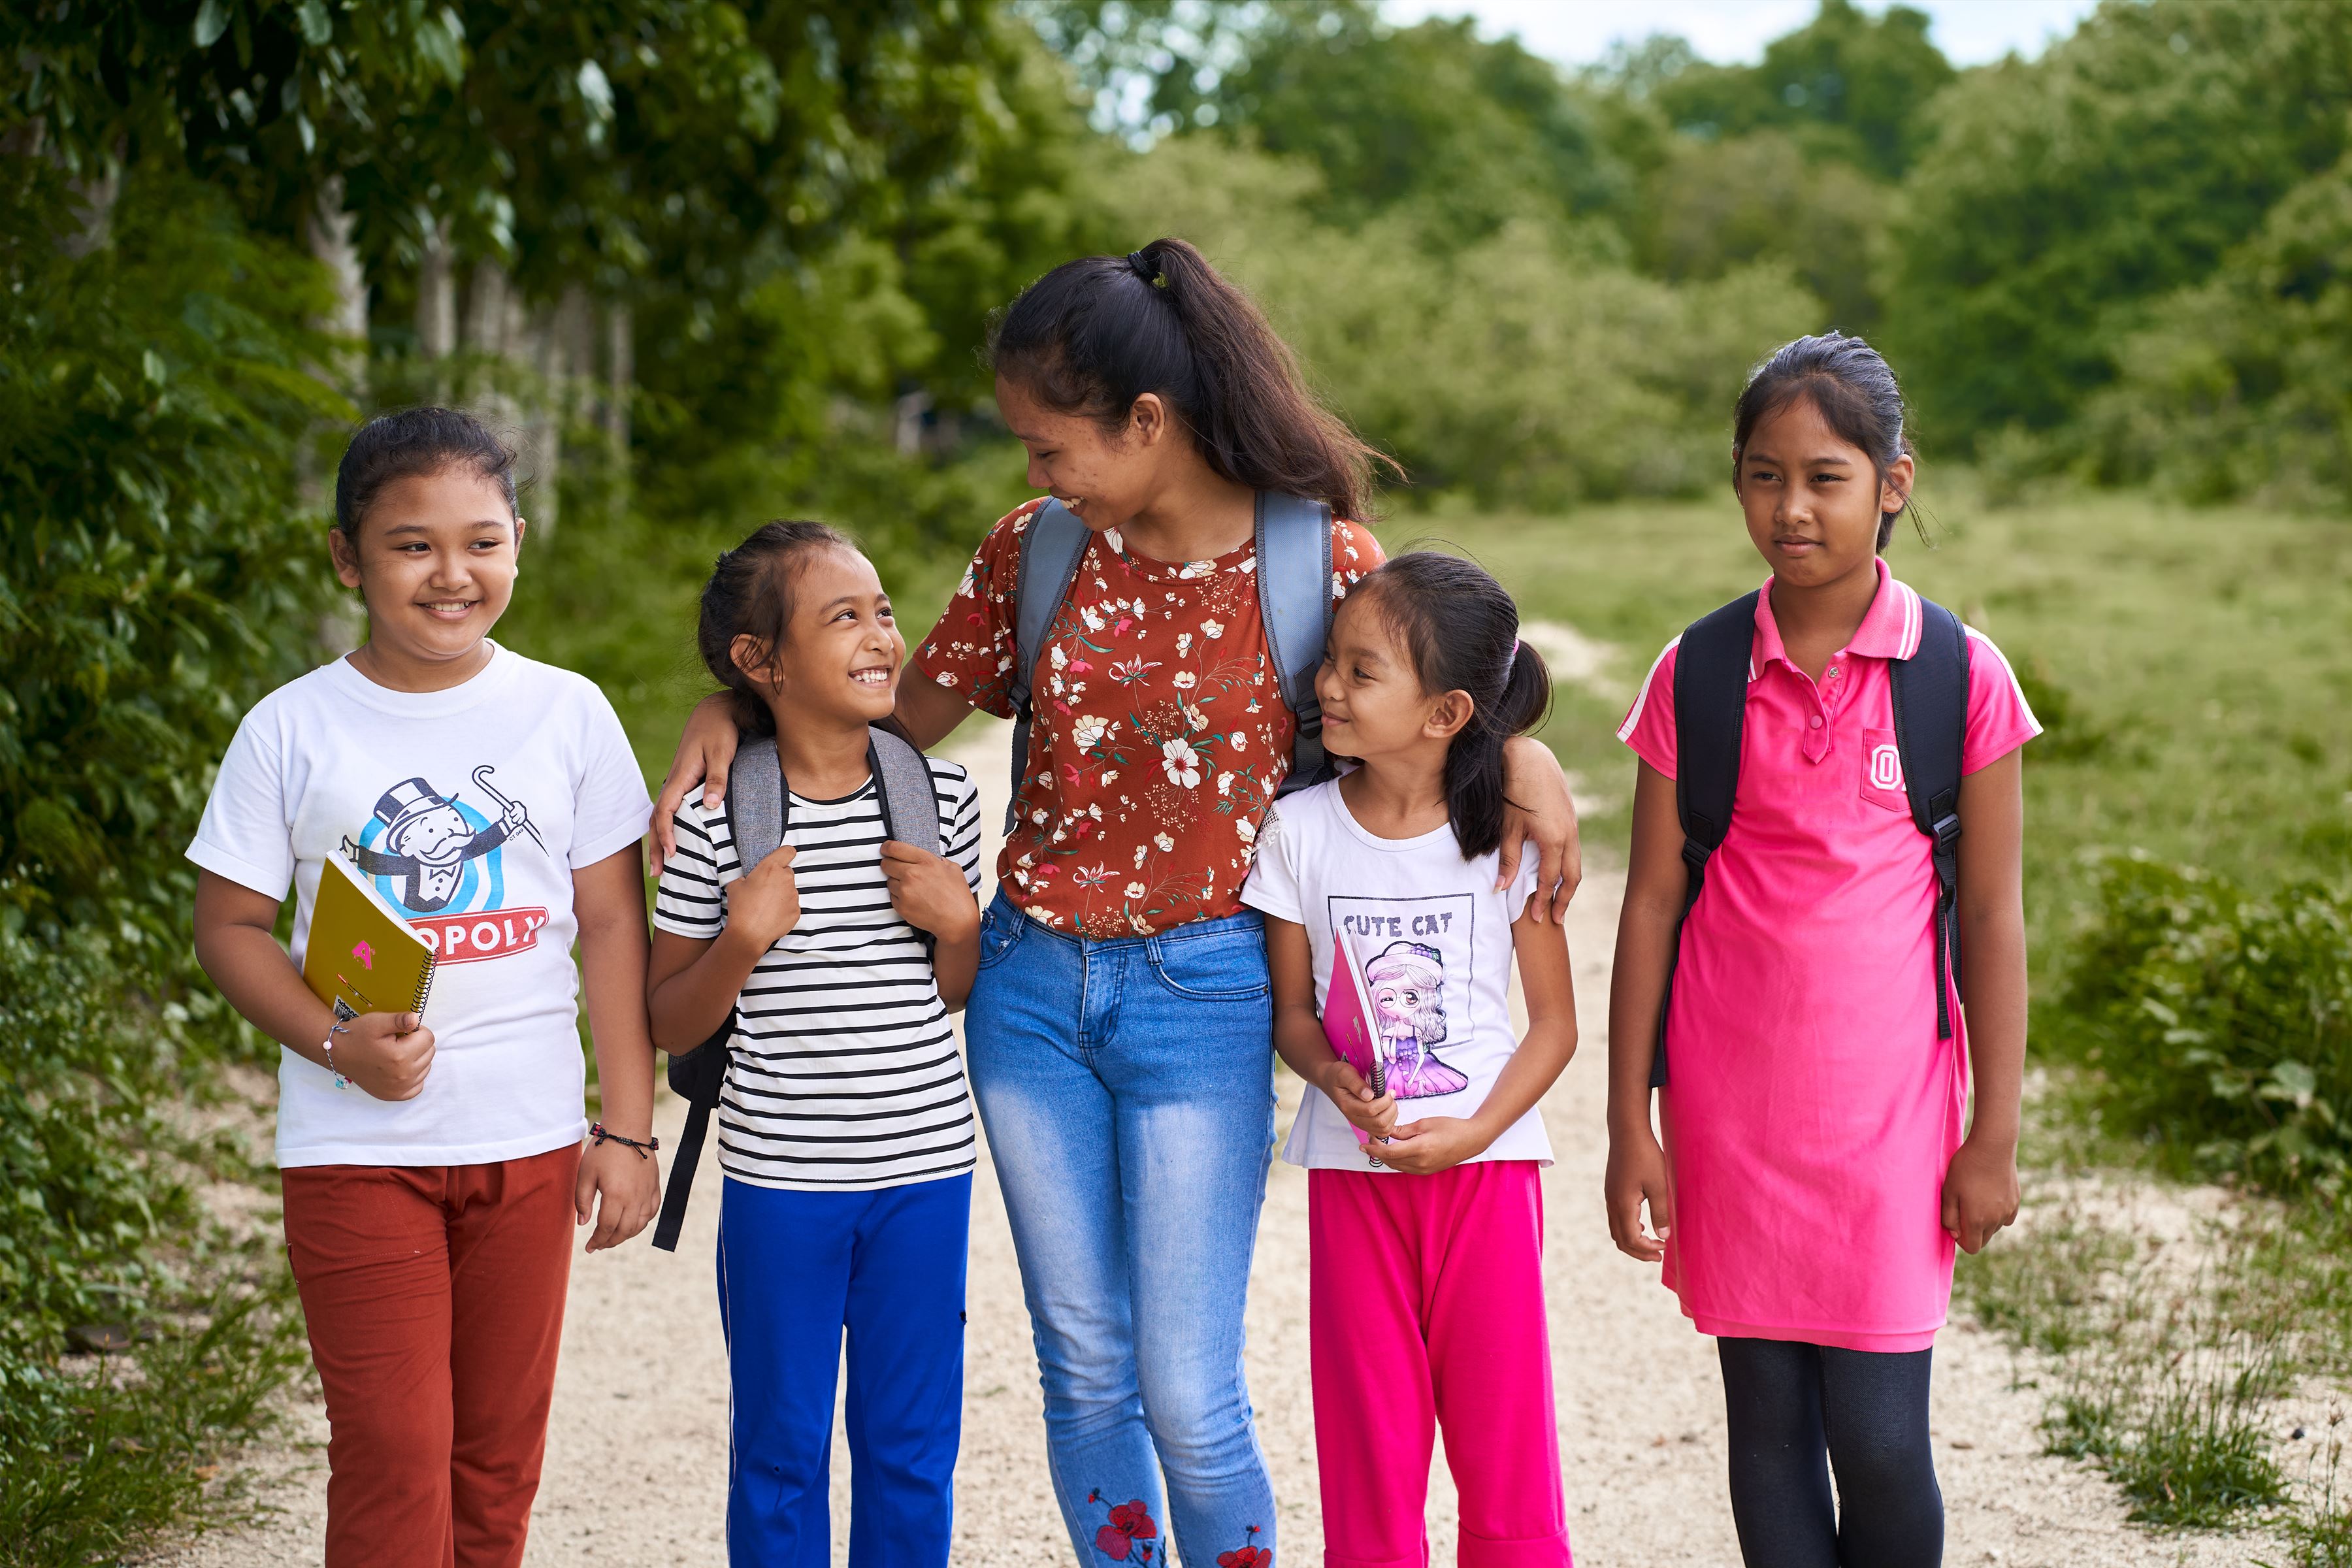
<point>1229,966</point>
<point>1001,929</point>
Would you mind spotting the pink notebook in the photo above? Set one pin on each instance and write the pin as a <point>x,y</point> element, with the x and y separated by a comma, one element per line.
<point>1348,1021</point>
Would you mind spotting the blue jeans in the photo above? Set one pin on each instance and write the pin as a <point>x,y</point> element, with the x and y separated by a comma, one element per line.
<point>795,1269</point>
<point>1127,1090</point>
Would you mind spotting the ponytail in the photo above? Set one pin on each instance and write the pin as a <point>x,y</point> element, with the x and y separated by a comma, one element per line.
<point>1094,334</point>
<point>1478,651</point>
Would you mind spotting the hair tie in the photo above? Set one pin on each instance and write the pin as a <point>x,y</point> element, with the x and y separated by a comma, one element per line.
<point>1143,266</point>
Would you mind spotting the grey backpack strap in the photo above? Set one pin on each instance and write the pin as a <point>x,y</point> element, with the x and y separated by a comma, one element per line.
<point>1051,548</point>
<point>1294,596</point>
<point>755,801</point>
<point>910,802</point>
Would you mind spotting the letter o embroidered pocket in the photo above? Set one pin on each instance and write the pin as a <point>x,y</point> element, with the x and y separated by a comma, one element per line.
<point>1882,770</point>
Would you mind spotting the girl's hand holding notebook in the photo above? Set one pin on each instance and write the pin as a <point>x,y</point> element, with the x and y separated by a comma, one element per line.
<point>385,1055</point>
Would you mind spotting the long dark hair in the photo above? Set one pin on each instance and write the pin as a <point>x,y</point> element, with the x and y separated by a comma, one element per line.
<point>1462,631</point>
<point>751,594</point>
<point>1856,390</point>
<point>408,443</point>
<point>1094,334</point>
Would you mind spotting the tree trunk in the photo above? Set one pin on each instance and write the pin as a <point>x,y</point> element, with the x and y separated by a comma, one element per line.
<point>436,295</point>
<point>328,231</point>
<point>620,373</point>
<point>541,350</point>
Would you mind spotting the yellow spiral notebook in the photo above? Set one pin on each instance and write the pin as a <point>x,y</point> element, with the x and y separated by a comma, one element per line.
<point>362,957</point>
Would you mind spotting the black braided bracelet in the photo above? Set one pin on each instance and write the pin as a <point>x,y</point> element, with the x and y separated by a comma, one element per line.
<point>644,1149</point>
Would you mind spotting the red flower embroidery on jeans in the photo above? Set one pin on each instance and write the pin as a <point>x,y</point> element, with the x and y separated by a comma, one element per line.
<point>1129,1522</point>
<point>1247,1556</point>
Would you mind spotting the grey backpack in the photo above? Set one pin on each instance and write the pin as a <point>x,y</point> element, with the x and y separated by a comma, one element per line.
<point>757,802</point>
<point>1293,591</point>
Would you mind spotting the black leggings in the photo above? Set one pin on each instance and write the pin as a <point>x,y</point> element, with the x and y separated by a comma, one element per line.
<point>1799,1410</point>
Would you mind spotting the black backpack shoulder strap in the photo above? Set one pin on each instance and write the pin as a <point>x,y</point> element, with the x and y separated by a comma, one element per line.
<point>1710,720</point>
<point>1294,596</point>
<point>1051,546</point>
<point>758,805</point>
<point>1930,691</point>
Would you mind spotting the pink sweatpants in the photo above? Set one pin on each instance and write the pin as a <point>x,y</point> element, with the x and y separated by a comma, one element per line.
<point>1427,1299</point>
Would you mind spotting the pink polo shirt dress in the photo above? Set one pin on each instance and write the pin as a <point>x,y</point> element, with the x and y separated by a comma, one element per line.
<point>1812,1111</point>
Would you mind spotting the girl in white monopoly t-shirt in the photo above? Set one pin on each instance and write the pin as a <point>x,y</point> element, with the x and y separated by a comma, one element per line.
<point>433,1164</point>
<point>1425,1244</point>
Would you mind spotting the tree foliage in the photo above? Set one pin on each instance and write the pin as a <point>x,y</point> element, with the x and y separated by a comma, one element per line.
<point>1847,83</point>
<point>2059,200</point>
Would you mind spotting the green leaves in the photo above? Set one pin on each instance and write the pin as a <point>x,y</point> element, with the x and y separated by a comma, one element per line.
<point>2218,1023</point>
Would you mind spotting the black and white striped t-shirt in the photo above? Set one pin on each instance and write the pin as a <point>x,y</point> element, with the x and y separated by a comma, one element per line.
<point>845,1075</point>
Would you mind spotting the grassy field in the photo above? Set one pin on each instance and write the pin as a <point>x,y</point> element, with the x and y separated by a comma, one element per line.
<point>2192,667</point>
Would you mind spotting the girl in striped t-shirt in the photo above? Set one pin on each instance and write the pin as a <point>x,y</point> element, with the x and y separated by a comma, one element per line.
<point>844,1130</point>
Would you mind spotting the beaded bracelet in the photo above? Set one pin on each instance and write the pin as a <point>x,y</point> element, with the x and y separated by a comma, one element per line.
<point>644,1149</point>
<point>328,1046</point>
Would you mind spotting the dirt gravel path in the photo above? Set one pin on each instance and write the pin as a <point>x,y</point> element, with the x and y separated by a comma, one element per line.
<point>636,1456</point>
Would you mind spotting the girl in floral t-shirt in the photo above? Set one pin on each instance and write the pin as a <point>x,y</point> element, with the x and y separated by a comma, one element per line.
<point>1167,736</point>
<point>1120,1028</point>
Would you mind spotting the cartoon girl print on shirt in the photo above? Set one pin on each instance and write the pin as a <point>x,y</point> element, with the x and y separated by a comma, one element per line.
<point>1408,985</point>
<point>427,841</point>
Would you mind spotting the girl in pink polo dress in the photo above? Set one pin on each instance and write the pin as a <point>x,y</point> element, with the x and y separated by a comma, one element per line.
<point>1819,1163</point>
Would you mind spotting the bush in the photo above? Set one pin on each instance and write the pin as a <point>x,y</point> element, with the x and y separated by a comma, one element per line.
<point>2218,1025</point>
<point>157,575</point>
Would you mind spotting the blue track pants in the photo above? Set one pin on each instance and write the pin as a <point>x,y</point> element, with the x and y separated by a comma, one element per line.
<point>795,1269</point>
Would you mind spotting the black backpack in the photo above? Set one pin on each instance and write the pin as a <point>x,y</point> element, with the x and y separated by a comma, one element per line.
<point>1931,716</point>
<point>757,802</point>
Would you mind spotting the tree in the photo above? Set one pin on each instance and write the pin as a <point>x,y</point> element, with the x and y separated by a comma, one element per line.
<point>1848,84</point>
<point>2062,199</point>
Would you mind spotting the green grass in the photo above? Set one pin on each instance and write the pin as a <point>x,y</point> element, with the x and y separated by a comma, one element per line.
<point>127,1450</point>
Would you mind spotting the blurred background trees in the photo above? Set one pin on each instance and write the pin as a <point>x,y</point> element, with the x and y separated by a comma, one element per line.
<point>712,262</point>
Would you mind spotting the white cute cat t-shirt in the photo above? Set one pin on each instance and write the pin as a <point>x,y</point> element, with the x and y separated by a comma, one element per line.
<point>1434,939</point>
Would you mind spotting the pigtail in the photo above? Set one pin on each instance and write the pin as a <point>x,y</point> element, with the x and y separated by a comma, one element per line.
<point>1474,768</point>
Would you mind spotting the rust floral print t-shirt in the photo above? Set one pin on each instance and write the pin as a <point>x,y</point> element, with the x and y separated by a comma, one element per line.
<point>1158,736</point>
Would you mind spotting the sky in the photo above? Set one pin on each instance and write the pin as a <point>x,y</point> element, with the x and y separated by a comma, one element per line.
<point>1577,32</point>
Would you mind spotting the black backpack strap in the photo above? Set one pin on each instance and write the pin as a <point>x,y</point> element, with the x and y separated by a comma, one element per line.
<point>1051,546</point>
<point>1294,597</point>
<point>683,1159</point>
<point>1931,722</point>
<point>1710,718</point>
<point>758,808</point>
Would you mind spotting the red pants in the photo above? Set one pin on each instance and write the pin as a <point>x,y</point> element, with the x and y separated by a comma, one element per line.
<point>435,1299</point>
<point>1425,1294</point>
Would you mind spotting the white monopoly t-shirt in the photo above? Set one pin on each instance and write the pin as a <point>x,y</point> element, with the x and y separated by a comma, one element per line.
<point>467,810</point>
<point>1434,939</point>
